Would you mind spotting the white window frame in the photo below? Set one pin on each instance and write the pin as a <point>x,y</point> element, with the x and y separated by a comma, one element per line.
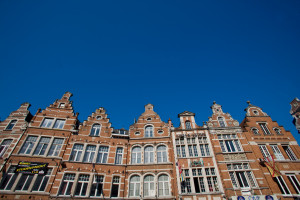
<point>95,130</point>
<point>45,179</point>
<point>264,151</point>
<point>162,154</point>
<point>148,184</point>
<point>42,145</point>
<point>188,125</point>
<point>277,152</point>
<point>288,150</point>
<point>56,145</point>
<point>84,180</point>
<point>76,154</point>
<point>97,179</point>
<point>134,186</point>
<point>59,124</point>
<point>165,184</point>
<point>119,156</point>
<point>102,156</point>
<point>68,182</point>
<point>281,183</point>
<point>4,146</point>
<point>116,180</point>
<point>14,122</point>
<point>222,122</point>
<point>136,156</point>
<point>295,182</point>
<point>149,154</point>
<point>52,123</point>
<point>29,145</point>
<point>149,131</point>
<point>89,154</point>
<point>264,127</point>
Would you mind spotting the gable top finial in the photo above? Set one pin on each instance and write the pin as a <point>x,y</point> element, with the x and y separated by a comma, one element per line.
<point>248,102</point>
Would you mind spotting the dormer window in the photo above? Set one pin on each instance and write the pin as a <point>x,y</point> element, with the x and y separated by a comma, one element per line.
<point>62,105</point>
<point>95,131</point>
<point>149,119</point>
<point>98,117</point>
<point>122,132</point>
<point>221,121</point>
<point>11,124</point>
<point>188,125</point>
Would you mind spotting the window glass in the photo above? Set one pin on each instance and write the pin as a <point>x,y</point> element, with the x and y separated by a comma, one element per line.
<point>42,181</point>
<point>11,124</point>
<point>149,154</point>
<point>95,131</point>
<point>82,184</point>
<point>102,154</point>
<point>221,121</point>
<point>66,185</point>
<point>149,131</point>
<point>97,186</point>
<point>119,155</point>
<point>188,125</point>
<point>4,146</point>
<point>55,147</point>
<point>162,154</point>
<point>47,123</point>
<point>42,146</point>
<point>76,152</point>
<point>149,189</point>
<point>136,155</point>
<point>89,153</point>
<point>134,186</point>
<point>28,145</point>
<point>115,187</point>
<point>163,185</point>
<point>59,124</point>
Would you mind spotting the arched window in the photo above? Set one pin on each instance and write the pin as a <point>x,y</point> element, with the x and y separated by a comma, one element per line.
<point>136,155</point>
<point>149,154</point>
<point>134,186</point>
<point>149,189</point>
<point>11,124</point>
<point>221,121</point>
<point>255,131</point>
<point>149,131</point>
<point>162,154</point>
<point>163,185</point>
<point>188,125</point>
<point>95,131</point>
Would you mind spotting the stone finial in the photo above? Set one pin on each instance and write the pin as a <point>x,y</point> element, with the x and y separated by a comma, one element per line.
<point>249,103</point>
<point>214,102</point>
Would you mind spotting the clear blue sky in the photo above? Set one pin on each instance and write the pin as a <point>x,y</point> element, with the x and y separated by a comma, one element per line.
<point>177,55</point>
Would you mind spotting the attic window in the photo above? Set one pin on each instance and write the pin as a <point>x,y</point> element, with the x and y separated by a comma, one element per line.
<point>137,133</point>
<point>255,112</point>
<point>149,119</point>
<point>122,132</point>
<point>62,105</point>
<point>98,117</point>
<point>160,131</point>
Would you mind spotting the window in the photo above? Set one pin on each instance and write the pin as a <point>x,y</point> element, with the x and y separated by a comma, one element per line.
<point>293,179</point>
<point>160,131</point>
<point>149,190</point>
<point>134,186</point>
<point>282,185</point>
<point>82,184</point>
<point>115,187</point>
<point>193,150</point>
<point>162,154</point>
<point>102,154</point>
<point>4,146</point>
<point>277,152</point>
<point>255,131</point>
<point>136,155</point>
<point>163,185</point>
<point>95,131</point>
<point>8,180</point>
<point>231,145</point>
<point>11,124</point>
<point>149,131</point>
<point>188,125</point>
<point>47,123</point>
<point>28,145</point>
<point>119,155</point>
<point>265,129</point>
<point>62,105</point>
<point>42,146</point>
<point>55,147</point>
<point>66,185</point>
<point>149,154</point>
<point>89,153</point>
<point>97,186</point>
<point>240,175</point>
<point>24,182</point>
<point>289,152</point>
<point>76,152</point>
<point>264,151</point>
<point>221,121</point>
<point>59,124</point>
<point>42,181</point>
<point>180,148</point>
<point>277,131</point>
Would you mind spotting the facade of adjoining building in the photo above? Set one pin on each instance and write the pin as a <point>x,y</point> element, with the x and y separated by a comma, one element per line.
<point>295,112</point>
<point>52,155</point>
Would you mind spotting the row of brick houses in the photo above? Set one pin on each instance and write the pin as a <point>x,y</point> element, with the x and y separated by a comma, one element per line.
<point>51,155</point>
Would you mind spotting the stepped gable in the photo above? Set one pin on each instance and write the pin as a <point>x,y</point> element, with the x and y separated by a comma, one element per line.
<point>220,119</point>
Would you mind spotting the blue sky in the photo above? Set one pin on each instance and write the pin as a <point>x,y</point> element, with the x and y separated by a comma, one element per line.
<point>177,55</point>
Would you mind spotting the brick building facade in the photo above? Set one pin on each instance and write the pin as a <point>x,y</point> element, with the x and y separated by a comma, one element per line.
<point>295,112</point>
<point>52,155</point>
